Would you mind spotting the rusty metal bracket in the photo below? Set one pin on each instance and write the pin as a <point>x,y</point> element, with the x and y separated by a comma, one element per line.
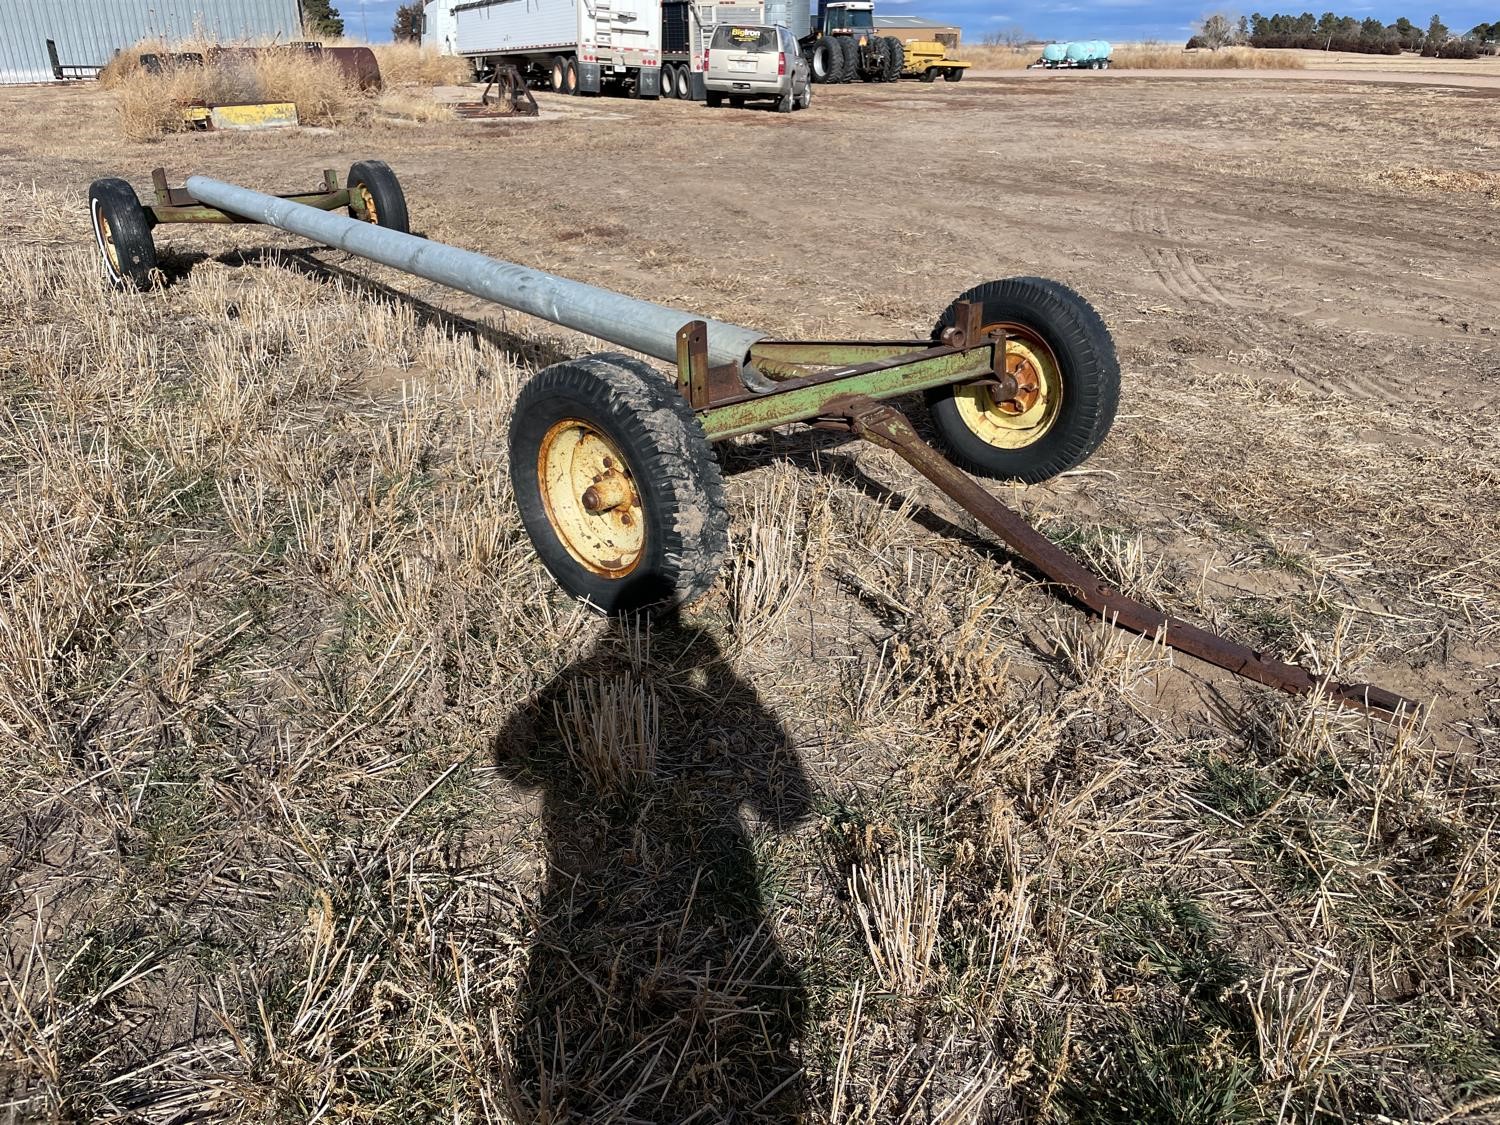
<point>701,384</point>
<point>888,428</point>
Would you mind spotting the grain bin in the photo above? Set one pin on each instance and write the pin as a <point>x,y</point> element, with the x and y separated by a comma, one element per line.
<point>795,14</point>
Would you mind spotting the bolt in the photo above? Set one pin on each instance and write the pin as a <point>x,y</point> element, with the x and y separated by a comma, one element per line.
<point>592,501</point>
<point>626,519</point>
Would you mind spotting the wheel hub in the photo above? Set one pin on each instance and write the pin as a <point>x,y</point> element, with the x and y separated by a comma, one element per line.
<point>1017,411</point>
<point>590,498</point>
<point>367,203</point>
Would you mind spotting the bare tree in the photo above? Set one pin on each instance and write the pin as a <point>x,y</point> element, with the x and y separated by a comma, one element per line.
<point>1013,37</point>
<point>1216,30</point>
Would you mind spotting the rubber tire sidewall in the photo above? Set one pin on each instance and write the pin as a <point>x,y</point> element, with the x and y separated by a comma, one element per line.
<point>1087,364</point>
<point>669,458</point>
<point>850,52</point>
<point>390,200</point>
<point>121,207</point>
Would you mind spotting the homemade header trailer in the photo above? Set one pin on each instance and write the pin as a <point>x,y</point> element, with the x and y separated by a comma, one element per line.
<point>612,464</point>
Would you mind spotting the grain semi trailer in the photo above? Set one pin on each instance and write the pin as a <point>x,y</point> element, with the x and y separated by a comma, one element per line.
<point>577,46</point>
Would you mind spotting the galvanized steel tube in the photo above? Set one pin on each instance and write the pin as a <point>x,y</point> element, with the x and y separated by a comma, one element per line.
<point>638,325</point>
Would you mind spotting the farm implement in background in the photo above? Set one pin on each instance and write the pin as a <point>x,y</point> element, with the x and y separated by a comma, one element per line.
<point>612,464</point>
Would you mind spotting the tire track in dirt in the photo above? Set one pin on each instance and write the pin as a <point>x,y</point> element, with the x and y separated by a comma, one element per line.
<point>1176,268</point>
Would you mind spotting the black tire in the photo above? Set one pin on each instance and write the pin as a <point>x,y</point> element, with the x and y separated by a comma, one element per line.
<point>377,184</point>
<point>895,60</point>
<point>668,81</point>
<point>736,101</point>
<point>713,99</point>
<point>953,74</point>
<point>122,233</point>
<point>559,74</point>
<point>832,64</point>
<point>1087,367</point>
<point>786,103</point>
<point>683,81</point>
<point>670,471</point>
<point>805,102</point>
<point>930,74</point>
<point>570,77</point>
<point>850,50</point>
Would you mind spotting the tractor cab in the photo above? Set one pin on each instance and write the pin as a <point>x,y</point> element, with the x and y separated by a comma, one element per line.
<point>849,17</point>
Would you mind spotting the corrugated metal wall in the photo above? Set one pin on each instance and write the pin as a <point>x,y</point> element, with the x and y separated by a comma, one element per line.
<point>88,32</point>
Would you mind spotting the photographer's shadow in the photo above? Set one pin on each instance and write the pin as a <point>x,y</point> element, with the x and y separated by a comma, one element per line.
<point>655,988</point>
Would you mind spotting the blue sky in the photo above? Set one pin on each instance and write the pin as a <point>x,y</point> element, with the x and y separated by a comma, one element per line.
<point>1068,19</point>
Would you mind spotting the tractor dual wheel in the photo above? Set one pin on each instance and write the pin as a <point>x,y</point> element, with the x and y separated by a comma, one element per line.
<point>850,50</point>
<point>375,196</point>
<point>123,233</point>
<point>617,484</point>
<point>826,58</point>
<point>1068,384</point>
<point>895,58</point>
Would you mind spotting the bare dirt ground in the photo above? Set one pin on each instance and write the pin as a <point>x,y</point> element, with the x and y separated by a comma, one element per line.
<point>911,841</point>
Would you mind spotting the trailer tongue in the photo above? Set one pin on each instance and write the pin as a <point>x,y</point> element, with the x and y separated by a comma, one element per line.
<point>612,465</point>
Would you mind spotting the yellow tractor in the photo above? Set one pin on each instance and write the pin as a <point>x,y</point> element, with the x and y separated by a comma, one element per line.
<point>926,59</point>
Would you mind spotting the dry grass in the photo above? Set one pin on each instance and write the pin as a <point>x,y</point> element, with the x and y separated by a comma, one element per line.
<point>1161,56</point>
<point>150,104</point>
<point>409,64</point>
<point>1142,56</point>
<point>997,58</point>
<point>321,802</point>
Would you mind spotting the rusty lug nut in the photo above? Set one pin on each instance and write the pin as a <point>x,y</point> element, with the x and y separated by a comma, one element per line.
<point>626,519</point>
<point>592,501</point>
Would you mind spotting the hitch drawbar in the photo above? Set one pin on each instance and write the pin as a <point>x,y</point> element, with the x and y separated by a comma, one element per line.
<point>613,466</point>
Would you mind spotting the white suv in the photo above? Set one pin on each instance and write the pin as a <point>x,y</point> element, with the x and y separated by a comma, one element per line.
<point>757,61</point>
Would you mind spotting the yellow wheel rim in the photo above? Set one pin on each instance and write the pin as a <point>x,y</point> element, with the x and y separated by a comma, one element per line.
<point>1025,419</point>
<point>591,499</point>
<point>107,240</point>
<point>367,201</point>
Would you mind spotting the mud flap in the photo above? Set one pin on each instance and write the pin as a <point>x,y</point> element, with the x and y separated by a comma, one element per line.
<point>648,82</point>
<point>589,78</point>
<point>697,87</point>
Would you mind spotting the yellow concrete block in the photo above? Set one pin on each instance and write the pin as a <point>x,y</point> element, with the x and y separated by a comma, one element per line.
<point>258,115</point>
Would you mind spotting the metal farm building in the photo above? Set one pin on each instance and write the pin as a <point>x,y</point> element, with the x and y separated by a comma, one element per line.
<point>86,33</point>
<point>912,28</point>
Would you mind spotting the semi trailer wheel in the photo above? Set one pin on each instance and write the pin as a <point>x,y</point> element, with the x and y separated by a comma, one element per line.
<point>617,484</point>
<point>378,195</point>
<point>1068,384</point>
<point>570,77</point>
<point>668,81</point>
<point>684,82</point>
<point>123,234</point>
<point>850,51</point>
<point>560,74</point>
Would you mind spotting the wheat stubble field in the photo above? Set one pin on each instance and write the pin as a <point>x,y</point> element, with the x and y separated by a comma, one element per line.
<point>318,801</point>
